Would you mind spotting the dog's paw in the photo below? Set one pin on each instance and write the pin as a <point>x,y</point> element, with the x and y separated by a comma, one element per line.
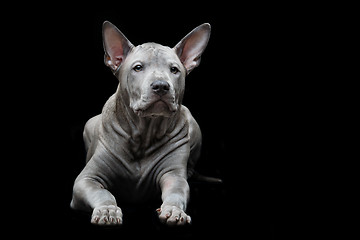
<point>107,215</point>
<point>172,215</point>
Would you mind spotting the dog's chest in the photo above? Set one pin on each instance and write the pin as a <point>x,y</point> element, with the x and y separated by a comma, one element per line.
<point>138,173</point>
<point>134,158</point>
<point>137,180</point>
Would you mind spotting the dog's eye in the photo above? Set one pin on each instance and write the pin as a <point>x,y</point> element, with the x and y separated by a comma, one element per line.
<point>138,68</point>
<point>174,70</point>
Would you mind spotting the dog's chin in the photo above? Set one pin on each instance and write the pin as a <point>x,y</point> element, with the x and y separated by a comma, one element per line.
<point>156,109</point>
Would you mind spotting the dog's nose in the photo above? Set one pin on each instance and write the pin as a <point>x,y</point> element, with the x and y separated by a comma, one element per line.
<point>160,87</point>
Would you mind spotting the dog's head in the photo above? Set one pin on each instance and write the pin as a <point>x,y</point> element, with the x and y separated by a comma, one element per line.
<point>152,76</point>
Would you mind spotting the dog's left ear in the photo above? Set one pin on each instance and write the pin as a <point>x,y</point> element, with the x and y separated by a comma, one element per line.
<point>116,46</point>
<point>190,48</point>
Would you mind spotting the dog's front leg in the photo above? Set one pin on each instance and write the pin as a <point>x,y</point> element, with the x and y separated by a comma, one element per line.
<point>89,194</point>
<point>175,194</point>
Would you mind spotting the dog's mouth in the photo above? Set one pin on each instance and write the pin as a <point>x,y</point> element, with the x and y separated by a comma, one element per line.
<point>156,108</point>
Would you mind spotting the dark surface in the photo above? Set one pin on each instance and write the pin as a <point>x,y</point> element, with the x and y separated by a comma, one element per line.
<point>239,96</point>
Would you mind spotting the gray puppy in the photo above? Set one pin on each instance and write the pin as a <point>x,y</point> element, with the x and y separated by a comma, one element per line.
<point>144,143</point>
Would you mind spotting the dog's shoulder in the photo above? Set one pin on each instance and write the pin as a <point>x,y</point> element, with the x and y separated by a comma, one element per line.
<point>185,112</point>
<point>110,106</point>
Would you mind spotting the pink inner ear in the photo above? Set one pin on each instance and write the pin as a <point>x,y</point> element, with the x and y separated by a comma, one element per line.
<point>190,56</point>
<point>118,60</point>
<point>192,49</point>
<point>116,54</point>
<point>116,46</point>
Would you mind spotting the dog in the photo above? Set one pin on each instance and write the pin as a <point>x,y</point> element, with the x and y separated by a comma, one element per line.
<point>145,143</point>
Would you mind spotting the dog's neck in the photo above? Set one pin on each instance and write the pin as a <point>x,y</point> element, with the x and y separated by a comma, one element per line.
<point>143,133</point>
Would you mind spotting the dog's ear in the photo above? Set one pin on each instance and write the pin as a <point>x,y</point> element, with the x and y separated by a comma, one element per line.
<point>116,46</point>
<point>190,48</point>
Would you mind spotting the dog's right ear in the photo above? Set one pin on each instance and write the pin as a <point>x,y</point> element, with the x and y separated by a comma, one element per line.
<point>116,46</point>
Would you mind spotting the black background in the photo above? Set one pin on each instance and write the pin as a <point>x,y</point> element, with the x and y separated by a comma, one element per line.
<point>240,95</point>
